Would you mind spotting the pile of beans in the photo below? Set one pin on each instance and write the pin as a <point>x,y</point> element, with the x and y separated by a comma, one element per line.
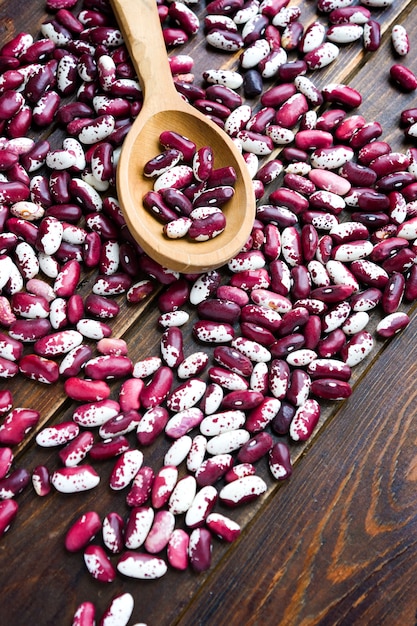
<point>186,196</point>
<point>278,330</point>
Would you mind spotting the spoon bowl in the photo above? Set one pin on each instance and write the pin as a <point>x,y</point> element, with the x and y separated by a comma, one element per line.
<point>164,109</point>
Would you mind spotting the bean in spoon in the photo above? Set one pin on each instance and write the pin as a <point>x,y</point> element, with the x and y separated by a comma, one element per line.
<point>164,109</point>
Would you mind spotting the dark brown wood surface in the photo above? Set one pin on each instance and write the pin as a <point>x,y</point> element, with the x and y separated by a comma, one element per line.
<point>335,544</point>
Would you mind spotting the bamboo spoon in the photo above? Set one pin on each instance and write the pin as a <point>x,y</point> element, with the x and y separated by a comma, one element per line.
<point>164,109</point>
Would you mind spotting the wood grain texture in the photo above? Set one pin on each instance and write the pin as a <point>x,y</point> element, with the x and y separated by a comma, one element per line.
<point>336,544</point>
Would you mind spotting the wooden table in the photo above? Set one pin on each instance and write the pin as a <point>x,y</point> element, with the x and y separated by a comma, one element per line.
<point>335,544</point>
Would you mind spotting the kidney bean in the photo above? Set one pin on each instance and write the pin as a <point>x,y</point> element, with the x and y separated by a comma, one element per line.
<point>342,95</point>
<point>141,487</point>
<point>230,41</point>
<point>242,491</point>
<point>229,419</point>
<point>162,528</point>
<point>86,390</point>
<point>223,527</point>
<point>410,283</point>
<point>279,378</point>
<point>392,324</point>
<point>155,270</point>
<point>290,199</point>
<point>57,343</point>
<point>125,469</point>
<point>280,461</point>
<point>183,421</point>
<point>77,449</point>
<point>400,261</point>
<point>393,293</point>
<point>200,549</point>
<point>369,273</point>
<point>255,143</point>
<point>357,348</point>
<point>222,22</point>
<point>146,367</point>
<point>299,386</point>
<point>305,420</point>
<point>99,564</point>
<point>120,608</point>
<point>257,333</point>
<point>321,56</point>
<point>17,45</point>
<point>109,448</point>
<point>57,435</point>
<point>108,366</point>
<point>400,40</point>
<point>403,77</point>
<point>177,550</point>
<point>162,162</point>
<point>75,479</point>
<point>13,191</point>
<point>389,162</point>
<point>395,181</point>
<point>349,15</point>
<point>6,403</point>
<point>371,35</point>
<point>219,309</point>
<point>364,135</point>
<point>158,388</point>
<point>318,273</point>
<point>261,415</point>
<point>331,158</point>
<point>101,306</point>
<point>209,331</point>
<point>7,317</point>
<point>84,615</point>
<point>375,220</point>
<point>331,345</point>
<point>8,369</point>
<point>313,36</point>
<point>212,469</point>
<point>10,103</point>
<point>10,348</point>
<point>14,483</point>
<point>352,251</point>
<point>182,495</point>
<point>112,284</point>
<point>201,507</point>
<point>211,399</point>
<point>355,322</point>
<point>358,175</point>
<point>41,481</point>
<point>137,527</point>
<point>278,215</point>
<point>173,318</point>
<point>186,395</point>
<point>151,424</point>
<point>141,565</point>
<point>93,329</point>
<point>163,485</point>
<point>371,151</point>
<point>366,299</point>
<point>16,425</point>
<point>8,511</point>
<point>39,368</point>
<point>233,359</point>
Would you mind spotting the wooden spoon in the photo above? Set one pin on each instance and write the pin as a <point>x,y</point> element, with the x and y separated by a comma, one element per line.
<point>164,109</point>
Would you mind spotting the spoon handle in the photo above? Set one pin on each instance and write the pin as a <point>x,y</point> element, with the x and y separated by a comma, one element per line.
<point>141,29</point>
